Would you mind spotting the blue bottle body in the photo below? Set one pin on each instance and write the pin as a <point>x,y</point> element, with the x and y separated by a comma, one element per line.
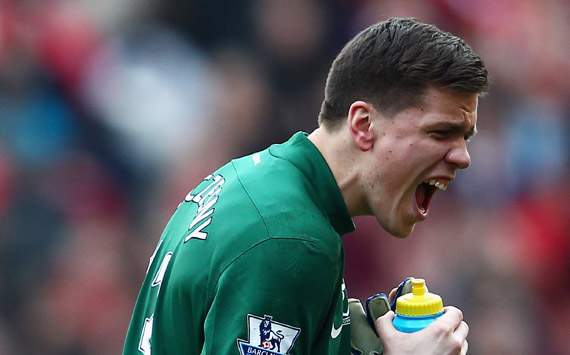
<point>409,324</point>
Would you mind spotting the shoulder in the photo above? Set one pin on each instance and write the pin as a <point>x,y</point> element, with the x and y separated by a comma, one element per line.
<point>282,197</point>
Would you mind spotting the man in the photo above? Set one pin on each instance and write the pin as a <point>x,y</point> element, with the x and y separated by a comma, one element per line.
<point>251,261</point>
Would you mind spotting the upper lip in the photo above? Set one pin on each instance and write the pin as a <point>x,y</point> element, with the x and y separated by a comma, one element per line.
<point>442,178</point>
<point>439,181</point>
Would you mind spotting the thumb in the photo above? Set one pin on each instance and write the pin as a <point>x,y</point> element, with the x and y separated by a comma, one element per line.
<point>384,326</point>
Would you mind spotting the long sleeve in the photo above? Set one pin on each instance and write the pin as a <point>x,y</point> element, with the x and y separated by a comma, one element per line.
<point>280,295</point>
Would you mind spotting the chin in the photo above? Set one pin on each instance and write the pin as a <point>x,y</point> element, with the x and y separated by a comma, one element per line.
<point>400,232</point>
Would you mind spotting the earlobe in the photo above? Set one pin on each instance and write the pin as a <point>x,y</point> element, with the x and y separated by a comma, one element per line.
<point>360,125</point>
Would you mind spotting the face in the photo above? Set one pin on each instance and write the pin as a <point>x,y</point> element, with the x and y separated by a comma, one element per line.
<point>415,154</point>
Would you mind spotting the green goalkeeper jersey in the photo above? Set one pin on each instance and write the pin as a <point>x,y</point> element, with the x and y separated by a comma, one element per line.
<point>251,262</point>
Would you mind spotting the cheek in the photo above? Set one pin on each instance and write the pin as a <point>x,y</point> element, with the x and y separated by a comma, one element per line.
<point>396,164</point>
<point>421,154</point>
<point>400,148</point>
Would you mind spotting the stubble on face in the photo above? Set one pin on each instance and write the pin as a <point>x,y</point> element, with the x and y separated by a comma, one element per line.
<point>408,151</point>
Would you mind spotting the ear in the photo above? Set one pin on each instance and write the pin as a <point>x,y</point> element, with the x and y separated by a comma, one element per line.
<point>360,125</point>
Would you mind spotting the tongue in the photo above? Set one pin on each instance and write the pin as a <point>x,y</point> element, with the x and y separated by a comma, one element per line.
<point>421,195</point>
<point>424,192</point>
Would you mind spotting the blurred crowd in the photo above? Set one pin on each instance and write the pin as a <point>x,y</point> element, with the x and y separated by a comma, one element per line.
<point>112,110</point>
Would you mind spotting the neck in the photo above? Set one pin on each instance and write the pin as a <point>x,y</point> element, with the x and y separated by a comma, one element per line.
<point>339,153</point>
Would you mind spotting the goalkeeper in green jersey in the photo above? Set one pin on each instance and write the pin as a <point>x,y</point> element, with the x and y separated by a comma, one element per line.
<point>251,262</point>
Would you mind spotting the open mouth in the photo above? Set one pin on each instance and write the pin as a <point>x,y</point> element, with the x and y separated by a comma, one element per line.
<point>425,191</point>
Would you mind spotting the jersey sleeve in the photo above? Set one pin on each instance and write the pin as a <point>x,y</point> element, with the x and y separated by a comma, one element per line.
<point>277,296</point>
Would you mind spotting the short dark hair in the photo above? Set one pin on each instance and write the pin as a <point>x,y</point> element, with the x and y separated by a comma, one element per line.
<point>391,64</point>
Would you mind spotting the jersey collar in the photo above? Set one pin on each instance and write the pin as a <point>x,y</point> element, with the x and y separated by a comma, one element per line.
<point>302,153</point>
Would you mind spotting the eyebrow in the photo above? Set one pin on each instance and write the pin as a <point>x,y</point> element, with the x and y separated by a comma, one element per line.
<point>456,128</point>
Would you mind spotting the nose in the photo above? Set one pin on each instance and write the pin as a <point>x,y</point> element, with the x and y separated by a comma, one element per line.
<point>459,156</point>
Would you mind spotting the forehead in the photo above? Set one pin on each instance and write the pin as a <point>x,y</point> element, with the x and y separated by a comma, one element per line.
<point>445,105</point>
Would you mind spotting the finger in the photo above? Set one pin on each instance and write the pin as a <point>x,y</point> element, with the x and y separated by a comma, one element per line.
<point>464,348</point>
<point>392,294</point>
<point>449,321</point>
<point>384,326</point>
<point>452,315</point>
<point>376,306</point>
<point>403,288</point>
<point>462,331</point>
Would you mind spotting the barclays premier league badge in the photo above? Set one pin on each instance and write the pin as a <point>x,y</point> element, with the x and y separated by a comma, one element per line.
<point>267,337</point>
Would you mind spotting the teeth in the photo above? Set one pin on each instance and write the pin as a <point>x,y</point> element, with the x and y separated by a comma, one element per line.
<point>439,184</point>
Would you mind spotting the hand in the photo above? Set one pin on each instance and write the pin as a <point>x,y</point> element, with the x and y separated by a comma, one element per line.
<point>445,336</point>
<point>363,338</point>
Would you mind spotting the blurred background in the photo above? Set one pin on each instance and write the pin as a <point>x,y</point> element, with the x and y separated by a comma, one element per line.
<point>112,110</point>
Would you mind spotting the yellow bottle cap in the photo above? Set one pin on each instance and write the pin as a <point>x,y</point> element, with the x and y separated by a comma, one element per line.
<point>420,302</point>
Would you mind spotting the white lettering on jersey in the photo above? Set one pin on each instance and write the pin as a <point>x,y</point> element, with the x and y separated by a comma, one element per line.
<point>144,344</point>
<point>146,335</point>
<point>153,255</point>
<point>161,270</point>
<point>256,158</point>
<point>206,199</point>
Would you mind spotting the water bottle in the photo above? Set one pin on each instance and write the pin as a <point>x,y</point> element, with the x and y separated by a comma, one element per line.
<point>416,310</point>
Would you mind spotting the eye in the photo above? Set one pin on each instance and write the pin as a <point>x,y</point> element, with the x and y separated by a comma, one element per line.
<point>439,134</point>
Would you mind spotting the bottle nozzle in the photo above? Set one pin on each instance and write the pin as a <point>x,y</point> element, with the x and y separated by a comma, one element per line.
<point>419,287</point>
<point>420,302</point>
